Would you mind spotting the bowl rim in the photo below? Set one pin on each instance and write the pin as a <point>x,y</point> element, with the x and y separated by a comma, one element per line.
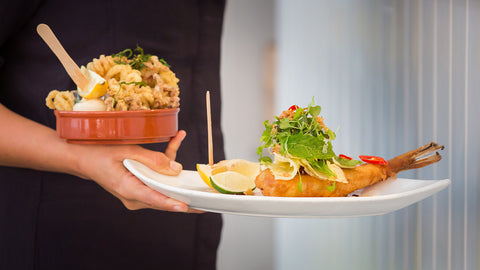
<point>116,113</point>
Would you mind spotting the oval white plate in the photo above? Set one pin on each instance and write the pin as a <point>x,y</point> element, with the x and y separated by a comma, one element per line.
<point>381,198</point>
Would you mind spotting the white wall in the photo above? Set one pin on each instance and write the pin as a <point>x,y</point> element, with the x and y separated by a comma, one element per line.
<point>390,75</point>
<point>393,75</point>
<point>247,242</point>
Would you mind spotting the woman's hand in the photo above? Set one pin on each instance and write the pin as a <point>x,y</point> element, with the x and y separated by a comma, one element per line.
<point>104,165</point>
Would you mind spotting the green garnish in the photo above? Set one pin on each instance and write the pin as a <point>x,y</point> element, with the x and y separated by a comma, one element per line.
<point>302,137</point>
<point>161,60</point>
<point>300,185</point>
<point>115,97</point>
<point>331,188</point>
<point>142,83</point>
<point>265,160</point>
<point>76,97</point>
<point>347,163</point>
<point>125,53</point>
<point>135,58</point>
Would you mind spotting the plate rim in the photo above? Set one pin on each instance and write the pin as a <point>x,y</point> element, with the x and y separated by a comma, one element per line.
<point>434,187</point>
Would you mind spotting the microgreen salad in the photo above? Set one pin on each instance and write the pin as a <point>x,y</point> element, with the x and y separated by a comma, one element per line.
<point>299,139</point>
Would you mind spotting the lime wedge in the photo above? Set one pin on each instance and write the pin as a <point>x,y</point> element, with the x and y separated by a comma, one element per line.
<point>232,182</point>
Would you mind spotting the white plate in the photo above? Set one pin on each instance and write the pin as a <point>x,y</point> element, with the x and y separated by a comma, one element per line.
<point>381,198</point>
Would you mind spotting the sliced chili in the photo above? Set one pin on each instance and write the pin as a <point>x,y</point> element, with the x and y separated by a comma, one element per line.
<point>345,157</point>
<point>373,159</point>
<point>293,108</point>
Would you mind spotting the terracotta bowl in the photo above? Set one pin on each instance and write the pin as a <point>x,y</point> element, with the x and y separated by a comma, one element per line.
<point>119,127</point>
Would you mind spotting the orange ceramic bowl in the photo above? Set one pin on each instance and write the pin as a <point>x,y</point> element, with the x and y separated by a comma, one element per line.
<point>117,127</point>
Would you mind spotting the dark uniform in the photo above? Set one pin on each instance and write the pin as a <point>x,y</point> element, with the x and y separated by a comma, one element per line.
<point>57,221</point>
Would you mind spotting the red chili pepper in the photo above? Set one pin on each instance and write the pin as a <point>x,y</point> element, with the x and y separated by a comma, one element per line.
<point>293,108</point>
<point>343,156</point>
<point>373,159</point>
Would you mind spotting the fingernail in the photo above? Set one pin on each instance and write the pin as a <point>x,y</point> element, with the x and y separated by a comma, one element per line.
<point>175,166</point>
<point>179,208</point>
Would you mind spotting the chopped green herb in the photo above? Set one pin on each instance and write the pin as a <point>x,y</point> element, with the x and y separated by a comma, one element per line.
<point>331,188</point>
<point>125,53</point>
<point>76,97</point>
<point>300,185</point>
<point>142,83</point>
<point>115,97</point>
<point>164,62</point>
<point>135,58</point>
<point>346,163</point>
<point>265,160</point>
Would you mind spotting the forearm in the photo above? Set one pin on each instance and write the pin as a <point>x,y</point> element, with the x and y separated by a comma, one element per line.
<point>27,144</point>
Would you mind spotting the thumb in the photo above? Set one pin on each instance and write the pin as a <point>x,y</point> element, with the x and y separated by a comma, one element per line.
<point>158,162</point>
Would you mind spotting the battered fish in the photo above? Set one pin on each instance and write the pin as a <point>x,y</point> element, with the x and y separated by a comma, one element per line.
<point>358,177</point>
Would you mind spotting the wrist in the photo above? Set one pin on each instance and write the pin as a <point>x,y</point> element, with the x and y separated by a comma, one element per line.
<point>75,156</point>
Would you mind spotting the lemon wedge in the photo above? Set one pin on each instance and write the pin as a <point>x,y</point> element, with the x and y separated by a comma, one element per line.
<point>97,86</point>
<point>248,169</point>
<point>205,172</point>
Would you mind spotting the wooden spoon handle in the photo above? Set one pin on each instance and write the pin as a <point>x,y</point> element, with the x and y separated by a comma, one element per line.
<point>70,66</point>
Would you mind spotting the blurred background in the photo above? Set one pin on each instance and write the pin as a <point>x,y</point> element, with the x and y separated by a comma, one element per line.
<point>390,76</point>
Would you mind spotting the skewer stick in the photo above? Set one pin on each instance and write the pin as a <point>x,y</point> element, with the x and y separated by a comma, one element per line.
<point>209,129</point>
<point>70,66</point>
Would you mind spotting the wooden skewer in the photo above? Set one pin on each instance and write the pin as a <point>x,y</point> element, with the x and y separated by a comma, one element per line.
<point>209,129</point>
<point>70,66</point>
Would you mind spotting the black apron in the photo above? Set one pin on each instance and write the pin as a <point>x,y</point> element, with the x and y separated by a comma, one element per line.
<point>57,221</point>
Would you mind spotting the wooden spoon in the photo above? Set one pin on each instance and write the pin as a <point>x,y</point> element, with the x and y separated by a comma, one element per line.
<point>70,66</point>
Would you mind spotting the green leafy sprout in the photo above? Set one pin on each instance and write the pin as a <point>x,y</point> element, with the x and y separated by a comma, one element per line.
<point>303,137</point>
<point>137,58</point>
